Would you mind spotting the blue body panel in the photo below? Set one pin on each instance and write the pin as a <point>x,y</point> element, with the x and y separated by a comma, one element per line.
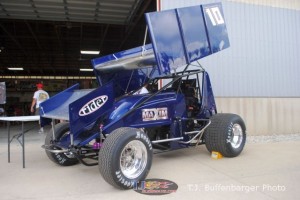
<point>172,102</point>
<point>116,112</point>
<point>116,116</point>
<point>208,104</point>
<point>86,110</point>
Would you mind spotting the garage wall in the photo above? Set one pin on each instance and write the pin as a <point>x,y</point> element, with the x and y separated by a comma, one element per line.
<point>289,4</point>
<point>264,116</point>
<point>258,76</point>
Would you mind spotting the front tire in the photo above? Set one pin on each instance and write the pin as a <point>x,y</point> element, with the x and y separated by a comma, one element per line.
<point>63,159</point>
<point>226,134</point>
<point>125,157</point>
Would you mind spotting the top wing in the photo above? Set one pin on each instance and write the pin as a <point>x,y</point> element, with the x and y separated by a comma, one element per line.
<point>179,37</point>
<point>183,35</point>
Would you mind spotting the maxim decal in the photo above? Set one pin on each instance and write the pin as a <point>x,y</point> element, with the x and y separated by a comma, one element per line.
<point>93,105</point>
<point>154,114</point>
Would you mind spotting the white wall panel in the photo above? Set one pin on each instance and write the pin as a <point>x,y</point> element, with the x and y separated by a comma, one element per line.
<point>288,4</point>
<point>264,59</point>
<point>264,116</point>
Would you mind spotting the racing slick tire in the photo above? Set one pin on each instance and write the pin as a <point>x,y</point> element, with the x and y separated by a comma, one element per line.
<point>63,159</point>
<point>125,157</point>
<point>226,134</point>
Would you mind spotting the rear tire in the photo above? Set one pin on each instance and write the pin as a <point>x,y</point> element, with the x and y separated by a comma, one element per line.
<point>226,135</point>
<point>63,159</point>
<point>125,157</point>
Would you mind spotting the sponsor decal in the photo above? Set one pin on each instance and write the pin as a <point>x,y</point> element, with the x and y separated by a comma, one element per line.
<point>155,187</point>
<point>142,135</point>
<point>154,114</point>
<point>93,105</point>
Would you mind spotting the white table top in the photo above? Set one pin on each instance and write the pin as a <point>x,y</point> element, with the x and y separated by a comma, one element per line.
<point>21,118</point>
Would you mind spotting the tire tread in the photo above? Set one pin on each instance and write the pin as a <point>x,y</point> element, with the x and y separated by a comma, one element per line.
<point>215,134</point>
<point>105,158</point>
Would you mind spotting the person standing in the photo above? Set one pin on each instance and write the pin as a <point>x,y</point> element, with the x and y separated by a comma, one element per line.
<point>39,96</point>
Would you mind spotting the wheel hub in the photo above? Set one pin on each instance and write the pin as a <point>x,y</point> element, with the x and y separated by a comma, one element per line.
<point>133,159</point>
<point>236,136</point>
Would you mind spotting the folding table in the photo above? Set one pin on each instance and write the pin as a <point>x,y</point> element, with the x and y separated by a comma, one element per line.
<point>10,139</point>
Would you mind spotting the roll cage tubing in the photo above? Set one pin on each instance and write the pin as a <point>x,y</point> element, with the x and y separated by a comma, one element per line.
<point>175,77</point>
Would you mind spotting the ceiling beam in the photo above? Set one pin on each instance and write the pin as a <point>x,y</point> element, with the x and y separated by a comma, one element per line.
<point>131,27</point>
<point>58,38</point>
<point>103,37</point>
<point>33,35</point>
<point>34,9</point>
<point>4,10</point>
<point>66,9</point>
<point>133,10</point>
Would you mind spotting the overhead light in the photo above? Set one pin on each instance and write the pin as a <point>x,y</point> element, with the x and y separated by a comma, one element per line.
<point>15,68</point>
<point>89,52</point>
<point>86,70</point>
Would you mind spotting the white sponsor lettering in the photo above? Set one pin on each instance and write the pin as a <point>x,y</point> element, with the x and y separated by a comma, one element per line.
<point>93,105</point>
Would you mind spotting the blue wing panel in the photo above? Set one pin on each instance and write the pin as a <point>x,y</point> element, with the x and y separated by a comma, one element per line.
<point>166,36</point>
<point>194,33</point>
<point>216,27</point>
<point>181,36</point>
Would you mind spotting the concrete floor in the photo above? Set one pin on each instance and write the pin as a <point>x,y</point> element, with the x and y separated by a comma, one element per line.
<point>262,171</point>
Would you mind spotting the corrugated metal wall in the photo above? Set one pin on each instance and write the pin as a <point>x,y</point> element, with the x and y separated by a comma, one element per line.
<point>264,116</point>
<point>263,60</point>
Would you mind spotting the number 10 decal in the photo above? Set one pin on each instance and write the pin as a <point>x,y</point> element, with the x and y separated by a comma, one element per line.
<point>215,16</point>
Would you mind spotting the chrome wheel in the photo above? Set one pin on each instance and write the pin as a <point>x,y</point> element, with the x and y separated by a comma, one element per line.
<point>237,136</point>
<point>125,157</point>
<point>133,159</point>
